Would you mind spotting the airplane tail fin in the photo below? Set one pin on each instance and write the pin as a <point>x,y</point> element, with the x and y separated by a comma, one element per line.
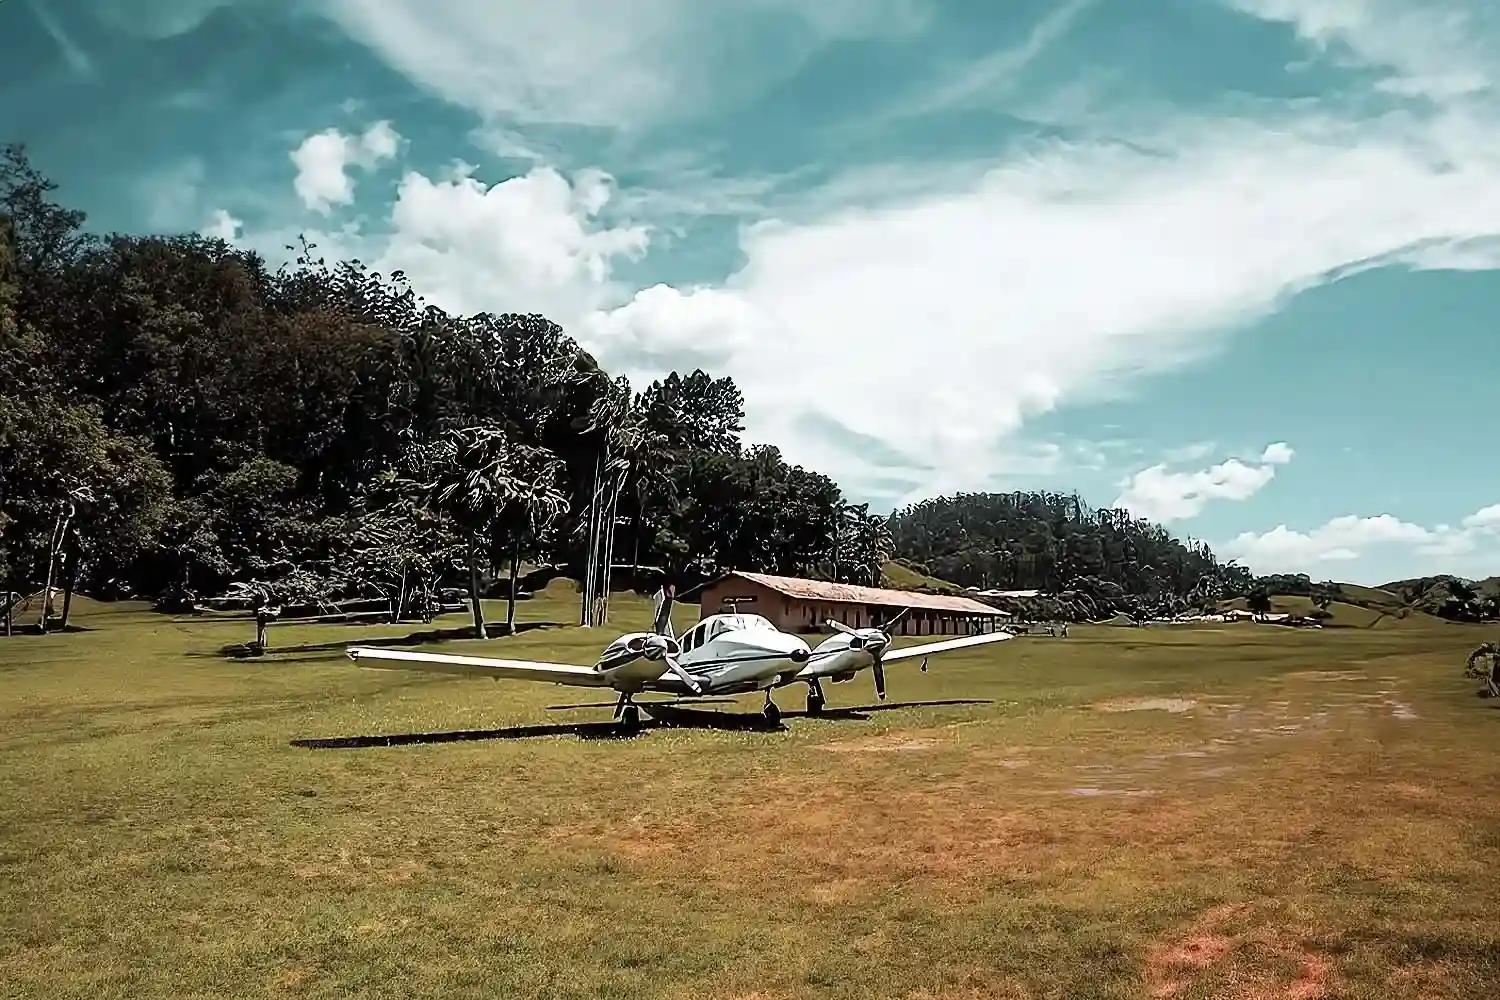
<point>662,602</point>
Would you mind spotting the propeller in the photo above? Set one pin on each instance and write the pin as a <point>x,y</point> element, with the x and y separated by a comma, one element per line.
<point>661,647</point>
<point>877,645</point>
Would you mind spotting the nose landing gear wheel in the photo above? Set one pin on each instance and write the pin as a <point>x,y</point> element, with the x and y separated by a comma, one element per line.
<point>630,719</point>
<point>771,713</point>
<point>814,703</point>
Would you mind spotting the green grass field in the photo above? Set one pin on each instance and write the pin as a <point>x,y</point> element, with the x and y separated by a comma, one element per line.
<point>1240,811</point>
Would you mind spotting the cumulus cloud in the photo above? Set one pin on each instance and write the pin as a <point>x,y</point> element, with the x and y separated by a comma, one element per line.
<point>1486,519</point>
<point>324,158</point>
<point>663,327</point>
<point>532,243</point>
<point>222,226</point>
<point>1277,453</point>
<point>1162,495</point>
<point>1345,540</point>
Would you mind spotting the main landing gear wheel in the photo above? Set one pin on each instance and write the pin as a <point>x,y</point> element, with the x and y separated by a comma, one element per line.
<point>771,713</point>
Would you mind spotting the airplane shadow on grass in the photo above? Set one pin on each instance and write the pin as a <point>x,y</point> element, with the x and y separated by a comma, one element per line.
<point>661,715</point>
<point>278,654</point>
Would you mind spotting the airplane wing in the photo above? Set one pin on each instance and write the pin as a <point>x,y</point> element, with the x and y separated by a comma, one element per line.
<point>478,666</point>
<point>927,649</point>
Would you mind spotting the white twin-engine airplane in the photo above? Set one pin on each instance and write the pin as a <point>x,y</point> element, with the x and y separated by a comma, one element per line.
<point>723,654</point>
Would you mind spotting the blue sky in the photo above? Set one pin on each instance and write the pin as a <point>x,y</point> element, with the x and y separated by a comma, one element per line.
<point>1229,262</point>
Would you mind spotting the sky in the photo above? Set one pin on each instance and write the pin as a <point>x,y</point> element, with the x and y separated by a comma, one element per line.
<point>1231,264</point>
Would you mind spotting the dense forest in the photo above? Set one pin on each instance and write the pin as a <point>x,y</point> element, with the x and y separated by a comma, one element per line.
<point>1054,542</point>
<point>177,416</point>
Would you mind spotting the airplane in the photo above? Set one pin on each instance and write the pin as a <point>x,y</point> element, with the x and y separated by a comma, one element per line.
<point>723,654</point>
<point>849,650</point>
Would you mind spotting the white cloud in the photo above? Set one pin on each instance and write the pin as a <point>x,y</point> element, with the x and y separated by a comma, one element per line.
<point>324,158</point>
<point>607,64</point>
<point>1441,50</point>
<point>977,83</point>
<point>222,226</point>
<point>1340,540</point>
<point>952,318</point>
<point>1162,495</point>
<point>1487,519</point>
<point>1278,453</point>
<point>528,244</point>
<point>662,326</point>
<point>1397,547</point>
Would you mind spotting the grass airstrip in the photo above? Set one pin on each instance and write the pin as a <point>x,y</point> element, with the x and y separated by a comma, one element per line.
<point>1219,811</point>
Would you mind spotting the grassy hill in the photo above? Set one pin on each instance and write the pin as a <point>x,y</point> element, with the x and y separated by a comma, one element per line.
<point>902,577</point>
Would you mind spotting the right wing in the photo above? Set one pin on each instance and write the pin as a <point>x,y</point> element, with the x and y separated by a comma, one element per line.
<point>927,649</point>
<point>478,666</point>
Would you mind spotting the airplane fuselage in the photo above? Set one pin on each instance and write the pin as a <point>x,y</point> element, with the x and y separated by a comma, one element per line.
<point>725,654</point>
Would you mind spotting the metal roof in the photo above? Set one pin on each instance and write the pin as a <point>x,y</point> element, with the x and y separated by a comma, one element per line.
<point>848,593</point>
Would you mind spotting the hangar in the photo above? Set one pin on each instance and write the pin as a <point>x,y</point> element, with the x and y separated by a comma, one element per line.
<point>797,605</point>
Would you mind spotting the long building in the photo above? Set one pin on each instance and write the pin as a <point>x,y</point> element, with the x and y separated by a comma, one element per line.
<point>797,605</point>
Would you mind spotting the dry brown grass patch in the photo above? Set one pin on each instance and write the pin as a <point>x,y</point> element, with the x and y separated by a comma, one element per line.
<point>1257,962</point>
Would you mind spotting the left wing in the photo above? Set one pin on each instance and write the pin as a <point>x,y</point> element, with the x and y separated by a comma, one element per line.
<point>927,649</point>
<point>478,666</point>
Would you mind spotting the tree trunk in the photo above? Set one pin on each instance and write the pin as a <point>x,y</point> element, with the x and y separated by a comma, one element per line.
<point>400,607</point>
<point>515,567</point>
<point>474,588</point>
<point>70,580</point>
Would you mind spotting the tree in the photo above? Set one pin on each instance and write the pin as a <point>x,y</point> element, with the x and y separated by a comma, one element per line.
<point>1324,594</point>
<point>696,413</point>
<point>496,491</point>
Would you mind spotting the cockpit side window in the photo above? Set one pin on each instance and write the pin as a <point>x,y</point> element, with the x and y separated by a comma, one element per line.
<point>695,637</point>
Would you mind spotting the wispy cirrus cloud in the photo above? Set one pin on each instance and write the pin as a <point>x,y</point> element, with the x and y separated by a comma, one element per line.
<point>608,65</point>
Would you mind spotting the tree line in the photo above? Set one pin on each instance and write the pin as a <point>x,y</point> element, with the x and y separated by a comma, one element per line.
<point>1055,542</point>
<point>177,416</point>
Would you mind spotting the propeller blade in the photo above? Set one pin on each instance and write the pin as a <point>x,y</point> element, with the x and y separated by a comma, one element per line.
<point>682,675</point>
<point>886,628</point>
<point>665,598</point>
<point>841,627</point>
<point>879,669</point>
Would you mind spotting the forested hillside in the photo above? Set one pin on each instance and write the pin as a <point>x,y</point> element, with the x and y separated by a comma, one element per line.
<point>1054,541</point>
<point>177,415</point>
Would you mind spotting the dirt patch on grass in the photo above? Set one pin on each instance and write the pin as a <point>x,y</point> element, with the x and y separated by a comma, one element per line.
<point>881,744</point>
<point>1227,952</point>
<point>1174,705</point>
<point>1329,675</point>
